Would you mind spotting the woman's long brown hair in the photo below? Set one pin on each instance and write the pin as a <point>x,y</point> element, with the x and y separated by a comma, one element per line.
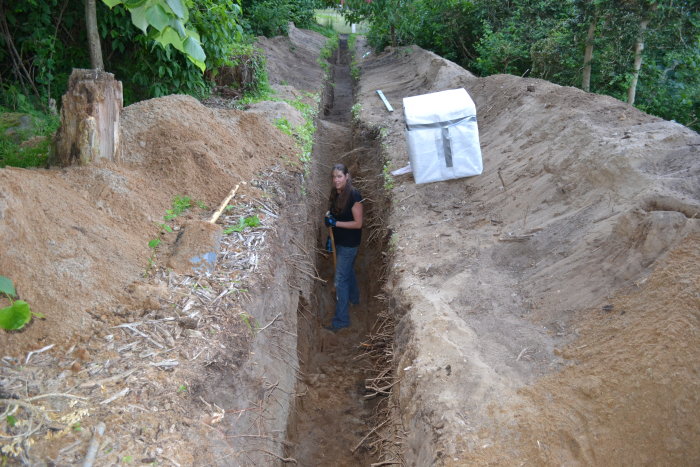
<point>338,201</point>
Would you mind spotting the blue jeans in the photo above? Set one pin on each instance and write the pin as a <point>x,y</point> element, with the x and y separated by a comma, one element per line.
<point>346,290</point>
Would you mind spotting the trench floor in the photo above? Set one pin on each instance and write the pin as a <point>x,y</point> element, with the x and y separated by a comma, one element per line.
<point>332,412</point>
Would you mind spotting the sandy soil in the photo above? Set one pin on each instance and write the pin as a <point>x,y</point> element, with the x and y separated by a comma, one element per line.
<point>545,312</point>
<point>505,354</point>
<point>166,361</point>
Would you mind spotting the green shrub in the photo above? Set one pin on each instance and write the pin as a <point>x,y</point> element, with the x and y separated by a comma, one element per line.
<point>25,138</point>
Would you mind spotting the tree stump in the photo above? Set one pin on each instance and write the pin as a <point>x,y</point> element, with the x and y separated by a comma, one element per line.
<point>89,119</point>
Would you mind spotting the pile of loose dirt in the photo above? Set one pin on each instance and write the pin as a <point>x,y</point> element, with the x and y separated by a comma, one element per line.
<point>581,199</point>
<point>129,343</point>
<point>166,361</point>
<point>77,237</point>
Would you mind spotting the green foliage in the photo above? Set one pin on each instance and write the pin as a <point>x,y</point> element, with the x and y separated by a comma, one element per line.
<point>147,71</point>
<point>154,243</point>
<point>7,287</point>
<point>218,21</point>
<point>252,61</point>
<point>51,40</point>
<point>546,39</point>
<point>330,19</point>
<point>249,321</point>
<point>329,47</point>
<point>284,126</point>
<point>165,228</point>
<point>354,66</point>
<point>180,205</point>
<point>326,53</point>
<point>352,43</point>
<point>25,144</point>
<point>15,316</point>
<point>498,52</point>
<point>388,178</point>
<point>243,223</point>
<point>18,314</point>
<point>355,111</point>
<point>271,17</point>
<point>303,134</point>
<point>268,18</point>
<point>163,21</point>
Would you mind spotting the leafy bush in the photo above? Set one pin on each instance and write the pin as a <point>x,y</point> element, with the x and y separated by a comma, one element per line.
<point>25,144</point>
<point>546,39</point>
<point>272,17</point>
<point>252,71</point>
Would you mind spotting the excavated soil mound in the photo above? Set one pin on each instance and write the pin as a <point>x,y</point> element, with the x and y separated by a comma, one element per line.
<point>547,310</point>
<point>585,204</point>
<point>75,238</point>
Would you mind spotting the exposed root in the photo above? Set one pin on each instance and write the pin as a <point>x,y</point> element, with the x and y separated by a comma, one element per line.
<point>384,439</point>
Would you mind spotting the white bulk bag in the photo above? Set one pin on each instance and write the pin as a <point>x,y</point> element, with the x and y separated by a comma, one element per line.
<point>442,136</point>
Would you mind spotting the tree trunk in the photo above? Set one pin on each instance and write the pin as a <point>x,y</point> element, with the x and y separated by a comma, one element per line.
<point>93,36</point>
<point>89,119</point>
<point>588,56</point>
<point>638,49</point>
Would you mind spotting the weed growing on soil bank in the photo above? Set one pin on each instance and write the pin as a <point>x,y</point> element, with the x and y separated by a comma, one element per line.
<point>243,222</point>
<point>303,134</point>
<point>354,66</point>
<point>179,205</point>
<point>388,178</point>
<point>355,110</point>
<point>329,47</point>
<point>18,314</point>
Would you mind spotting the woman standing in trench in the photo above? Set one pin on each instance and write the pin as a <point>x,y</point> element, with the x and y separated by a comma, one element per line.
<point>345,218</point>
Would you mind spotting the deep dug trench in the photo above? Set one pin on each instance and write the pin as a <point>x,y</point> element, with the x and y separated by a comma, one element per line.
<point>335,409</point>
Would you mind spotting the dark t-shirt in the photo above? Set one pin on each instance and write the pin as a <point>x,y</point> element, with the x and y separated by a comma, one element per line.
<point>348,237</point>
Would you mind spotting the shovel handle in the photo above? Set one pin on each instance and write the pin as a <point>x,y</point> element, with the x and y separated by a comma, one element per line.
<point>224,203</point>
<point>330,231</point>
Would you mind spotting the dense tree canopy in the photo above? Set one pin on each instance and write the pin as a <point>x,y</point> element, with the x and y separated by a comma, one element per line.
<point>642,51</point>
<point>549,39</point>
<point>142,40</point>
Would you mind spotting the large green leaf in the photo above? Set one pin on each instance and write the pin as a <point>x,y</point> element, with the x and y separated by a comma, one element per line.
<point>177,25</point>
<point>169,36</point>
<point>195,53</point>
<point>179,9</point>
<point>157,17</point>
<point>193,34</point>
<point>15,316</point>
<point>138,17</point>
<point>112,3</point>
<point>7,287</point>
<point>201,65</point>
<point>194,49</point>
<point>131,4</point>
